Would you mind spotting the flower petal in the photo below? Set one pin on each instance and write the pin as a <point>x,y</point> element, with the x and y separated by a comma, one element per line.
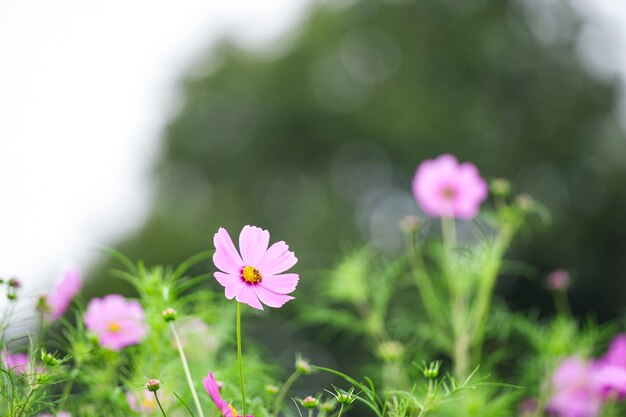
<point>248,296</point>
<point>227,279</point>
<point>233,289</point>
<point>280,284</point>
<point>226,257</point>
<point>270,298</point>
<point>253,243</point>
<point>277,259</point>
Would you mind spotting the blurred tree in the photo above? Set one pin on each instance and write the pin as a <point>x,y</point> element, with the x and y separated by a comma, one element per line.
<point>334,121</point>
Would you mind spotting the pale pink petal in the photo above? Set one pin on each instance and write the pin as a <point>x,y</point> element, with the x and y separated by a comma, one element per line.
<point>226,256</point>
<point>227,279</point>
<point>277,259</point>
<point>253,243</point>
<point>281,284</point>
<point>270,298</point>
<point>248,296</point>
<point>233,289</point>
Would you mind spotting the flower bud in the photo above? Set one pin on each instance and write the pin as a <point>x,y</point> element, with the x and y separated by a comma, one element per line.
<point>500,187</point>
<point>271,389</point>
<point>42,379</point>
<point>12,296</point>
<point>558,280</point>
<point>310,402</point>
<point>153,385</point>
<point>390,351</point>
<point>328,406</point>
<point>14,283</point>
<point>432,370</point>
<point>49,358</point>
<point>42,304</point>
<point>346,397</point>
<point>303,366</point>
<point>411,224</point>
<point>524,202</point>
<point>169,314</point>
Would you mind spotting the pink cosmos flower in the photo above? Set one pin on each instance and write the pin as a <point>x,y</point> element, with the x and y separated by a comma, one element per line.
<point>61,296</point>
<point>141,403</point>
<point>611,369</point>
<point>116,321</point>
<point>576,390</point>
<point>19,363</point>
<point>257,275</point>
<point>213,389</point>
<point>445,188</point>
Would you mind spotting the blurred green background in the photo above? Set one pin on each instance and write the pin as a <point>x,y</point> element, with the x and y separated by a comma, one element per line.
<point>317,140</point>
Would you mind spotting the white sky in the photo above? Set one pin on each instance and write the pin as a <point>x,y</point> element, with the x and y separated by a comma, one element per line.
<point>85,88</point>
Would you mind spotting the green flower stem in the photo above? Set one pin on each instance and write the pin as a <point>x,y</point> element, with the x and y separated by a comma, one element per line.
<point>424,285</point>
<point>458,295</point>
<point>284,390</point>
<point>159,403</point>
<point>482,301</point>
<point>183,360</point>
<point>240,358</point>
<point>340,410</point>
<point>67,390</point>
<point>562,304</point>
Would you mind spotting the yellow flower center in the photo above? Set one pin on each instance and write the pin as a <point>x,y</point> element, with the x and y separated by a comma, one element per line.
<point>233,408</point>
<point>114,327</point>
<point>251,275</point>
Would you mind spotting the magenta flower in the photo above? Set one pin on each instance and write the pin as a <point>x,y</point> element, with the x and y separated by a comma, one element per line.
<point>141,403</point>
<point>257,275</point>
<point>116,321</point>
<point>610,370</point>
<point>61,296</point>
<point>445,188</point>
<point>213,389</point>
<point>576,390</point>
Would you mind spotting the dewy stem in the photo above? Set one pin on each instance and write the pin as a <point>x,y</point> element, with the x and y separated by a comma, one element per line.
<point>183,360</point>
<point>240,358</point>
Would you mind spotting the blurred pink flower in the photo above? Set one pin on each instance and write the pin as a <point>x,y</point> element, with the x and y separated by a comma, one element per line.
<point>141,403</point>
<point>445,188</point>
<point>576,390</point>
<point>616,354</point>
<point>59,414</point>
<point>212,388</point>
<point>558,280</point>
<point>528,407</point>
<point>61,296</point>
<point>116,321</point>
<point>19,363</point>
<point>256,276</point>
<point>611,369</point>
